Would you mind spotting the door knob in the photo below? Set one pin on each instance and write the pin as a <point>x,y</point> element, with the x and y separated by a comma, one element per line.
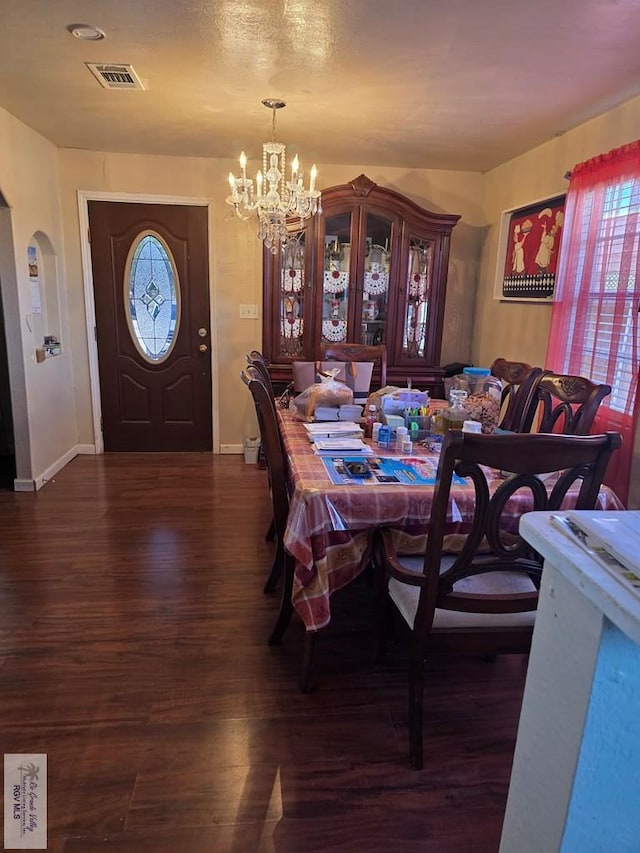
<point>202,347</point>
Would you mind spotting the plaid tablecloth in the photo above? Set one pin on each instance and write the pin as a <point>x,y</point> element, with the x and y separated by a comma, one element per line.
<point>330,527</point>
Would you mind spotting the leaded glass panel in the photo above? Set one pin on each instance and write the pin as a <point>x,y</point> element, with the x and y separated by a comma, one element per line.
<point>293,287</point>
<point>152,296</point>
<point>336,287</point>
<point>417,304</point>
<point>375,288</point>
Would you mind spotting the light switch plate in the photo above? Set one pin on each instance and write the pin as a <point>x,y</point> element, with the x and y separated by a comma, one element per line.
<point>249,312</point>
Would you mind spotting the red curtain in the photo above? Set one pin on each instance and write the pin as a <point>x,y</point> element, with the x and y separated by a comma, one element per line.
<point>594,325</point>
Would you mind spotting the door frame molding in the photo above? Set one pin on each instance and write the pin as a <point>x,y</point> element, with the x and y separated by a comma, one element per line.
<point>84,197</point>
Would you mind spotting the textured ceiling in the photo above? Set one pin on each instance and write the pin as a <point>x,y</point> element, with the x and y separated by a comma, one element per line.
<point>459,84</point>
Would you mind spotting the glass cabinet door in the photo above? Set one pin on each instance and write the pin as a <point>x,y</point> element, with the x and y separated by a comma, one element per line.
<point>292,297</point>
<point>370,270</point>
<point>337,286</point>
<point>375,284</point>
<point>417,297</point>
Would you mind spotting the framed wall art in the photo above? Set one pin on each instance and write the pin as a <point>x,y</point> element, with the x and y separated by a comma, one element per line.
<point>529,247</point>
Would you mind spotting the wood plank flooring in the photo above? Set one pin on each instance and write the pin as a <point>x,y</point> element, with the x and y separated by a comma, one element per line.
<point>133,652</point>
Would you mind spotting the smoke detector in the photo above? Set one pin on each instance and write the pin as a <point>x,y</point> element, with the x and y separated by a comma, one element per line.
<point>115,76</point>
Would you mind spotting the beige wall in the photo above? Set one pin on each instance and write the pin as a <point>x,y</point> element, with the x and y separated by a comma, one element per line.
<point>236,258</point>
<point>42,393</point>
<point>520,331</point>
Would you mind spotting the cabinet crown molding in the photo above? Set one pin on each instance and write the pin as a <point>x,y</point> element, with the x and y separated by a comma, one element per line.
<point>362,185</point>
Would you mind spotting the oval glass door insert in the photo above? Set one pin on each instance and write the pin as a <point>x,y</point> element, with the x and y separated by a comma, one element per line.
<point>152,296</point>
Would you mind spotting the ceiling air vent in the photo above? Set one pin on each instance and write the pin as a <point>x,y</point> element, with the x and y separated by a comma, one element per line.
<point>115,76</point>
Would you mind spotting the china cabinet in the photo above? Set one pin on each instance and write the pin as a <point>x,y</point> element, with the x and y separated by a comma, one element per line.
<point>371,269</point>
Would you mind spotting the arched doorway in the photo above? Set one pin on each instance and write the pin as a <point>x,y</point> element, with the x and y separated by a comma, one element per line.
<point>7,439</point>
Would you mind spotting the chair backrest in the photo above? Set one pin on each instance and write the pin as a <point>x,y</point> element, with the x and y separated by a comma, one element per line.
<point>358,352</point>
<point>258,361</point>
<point>519,381</point>
<point>563,403</point>
<point>271,446</point>
<point>305,373</point>
<point>492,543</point>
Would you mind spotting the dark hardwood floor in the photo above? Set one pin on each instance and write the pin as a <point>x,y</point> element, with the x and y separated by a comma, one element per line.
<point>133,652</point>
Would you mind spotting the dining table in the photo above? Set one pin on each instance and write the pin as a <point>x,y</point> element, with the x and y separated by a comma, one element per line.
<point>330,526</point>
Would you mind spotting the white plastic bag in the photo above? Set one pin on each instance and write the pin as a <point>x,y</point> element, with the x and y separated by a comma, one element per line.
<point>328,392</point>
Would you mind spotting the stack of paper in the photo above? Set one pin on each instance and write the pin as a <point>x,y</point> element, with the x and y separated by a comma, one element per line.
<point>347,412</point>
<point>340,429</point>
<point>339,446</point>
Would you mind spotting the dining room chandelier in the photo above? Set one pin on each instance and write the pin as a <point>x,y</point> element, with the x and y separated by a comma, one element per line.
<point>274,199</point>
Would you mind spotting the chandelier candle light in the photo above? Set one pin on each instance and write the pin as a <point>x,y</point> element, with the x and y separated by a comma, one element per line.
<point>275,199</point>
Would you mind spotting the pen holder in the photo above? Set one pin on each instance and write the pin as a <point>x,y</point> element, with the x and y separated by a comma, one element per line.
<point>419,426</point>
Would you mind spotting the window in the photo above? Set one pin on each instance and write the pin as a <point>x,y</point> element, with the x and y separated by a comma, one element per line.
<point>594,329</point>
<point>611,297</point>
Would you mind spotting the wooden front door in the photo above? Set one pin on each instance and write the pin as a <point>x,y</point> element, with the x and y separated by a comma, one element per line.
<point>151,286</point>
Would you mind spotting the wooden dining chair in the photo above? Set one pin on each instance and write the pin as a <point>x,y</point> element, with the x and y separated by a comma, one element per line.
<point>563,403</point>
<point>257,360</point>
<point>519,381</point>
<point>481,598</point>
<point>358,352</point>
<point>274,461</point>
<point>283,564</point>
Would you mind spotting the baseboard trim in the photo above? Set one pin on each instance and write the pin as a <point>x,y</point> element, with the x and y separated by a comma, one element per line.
<point>52,470</point>
<point>86,449</point>
<point>23,485</point>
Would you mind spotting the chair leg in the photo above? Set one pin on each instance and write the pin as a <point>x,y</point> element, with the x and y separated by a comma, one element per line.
<point>381,614</point>
<point>282,623</point>
<point>385,627</point>
<point>270,535</point>
<point>286,605</point>
<point>307,661</point>
<point>276,569</point>
<point>416,690</point>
